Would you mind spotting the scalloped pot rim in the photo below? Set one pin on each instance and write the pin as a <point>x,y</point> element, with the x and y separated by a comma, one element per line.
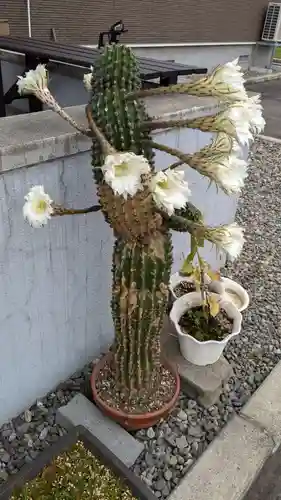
<point>229,305</point>
<point>229,283</point>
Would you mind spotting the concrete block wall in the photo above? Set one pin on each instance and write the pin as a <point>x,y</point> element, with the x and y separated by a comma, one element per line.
<point>55,283</point>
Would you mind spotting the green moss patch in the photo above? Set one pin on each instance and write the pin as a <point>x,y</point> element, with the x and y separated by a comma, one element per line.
<point>75,475</point>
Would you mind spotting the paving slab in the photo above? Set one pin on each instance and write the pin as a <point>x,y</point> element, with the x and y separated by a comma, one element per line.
<point>228,466</point>
<point>80,411</point>
<point>204,383</point>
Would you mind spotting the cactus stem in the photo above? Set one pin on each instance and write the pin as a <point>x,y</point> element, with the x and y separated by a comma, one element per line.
<point>180,88</point>
<point>60,210</point>
<point>107,149</point>
<point>174,165</point>
<point>183,157</point>
<point>164,124</point>
<point>186,224</point>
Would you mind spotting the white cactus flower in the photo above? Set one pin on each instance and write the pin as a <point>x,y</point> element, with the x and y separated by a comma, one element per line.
<point>233,122</point>
<point>169,190</point>
<point>123,171</point>
<point>225,82</point>
<point>228,81</point>
<point>229,238</point>
<point>229,174</point>
<point>34,82</point>
<point>37,209</point>
<point>87,80</point>
<point>251,110</point>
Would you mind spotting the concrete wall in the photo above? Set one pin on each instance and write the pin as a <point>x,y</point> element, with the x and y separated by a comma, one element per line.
<point>206,56</point>
<point>55,282</point>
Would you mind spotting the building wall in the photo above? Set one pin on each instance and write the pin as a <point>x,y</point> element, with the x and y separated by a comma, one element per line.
<point>148,21</point>
<point>15,12</point>
<point>55,283</point>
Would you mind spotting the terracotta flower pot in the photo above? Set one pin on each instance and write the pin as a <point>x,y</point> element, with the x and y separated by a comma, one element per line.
<point>133,421</point>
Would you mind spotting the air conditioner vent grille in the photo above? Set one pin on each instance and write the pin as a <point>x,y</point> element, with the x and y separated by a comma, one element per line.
<point>271,27</point>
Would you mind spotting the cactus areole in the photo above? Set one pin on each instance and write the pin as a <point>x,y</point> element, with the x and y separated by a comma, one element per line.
<point>142,256</point>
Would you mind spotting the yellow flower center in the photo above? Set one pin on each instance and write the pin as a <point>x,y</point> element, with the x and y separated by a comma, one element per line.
<point>39,206</point>
<point>163,184</point>
<point>121,169</point>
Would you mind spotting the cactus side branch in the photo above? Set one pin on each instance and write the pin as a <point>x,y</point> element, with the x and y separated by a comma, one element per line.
<point>164,124</point>
<point>179,88</point>
<point>96,132</point>
<point>60,210</point>
<point>174,165</point>
<point>65,116</point>
<point>180,222</point>
<point>186,87</point>
<point>183,157</point>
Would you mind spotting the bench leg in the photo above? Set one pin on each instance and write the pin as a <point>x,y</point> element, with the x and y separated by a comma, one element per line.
<point>171,79</point>
<point>2,102</point>
<point>34,103</point>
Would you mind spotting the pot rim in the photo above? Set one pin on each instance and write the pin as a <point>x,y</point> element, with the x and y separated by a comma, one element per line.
<point>206,342</point>
<point>241,291</point>
<point>178,279</point>
<point>134,416</point>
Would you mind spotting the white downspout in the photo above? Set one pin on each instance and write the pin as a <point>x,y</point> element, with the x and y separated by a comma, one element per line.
<point>29,19</point>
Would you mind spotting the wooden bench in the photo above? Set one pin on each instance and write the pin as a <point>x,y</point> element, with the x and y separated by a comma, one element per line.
<point>38,51</point>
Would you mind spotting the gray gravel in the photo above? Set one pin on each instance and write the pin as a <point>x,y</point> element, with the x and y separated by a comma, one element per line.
<point>252,354</point>
<point>172,447</point>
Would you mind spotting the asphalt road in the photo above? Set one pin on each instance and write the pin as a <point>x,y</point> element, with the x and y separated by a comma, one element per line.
<point>271,100</point>
<point>268,484</point>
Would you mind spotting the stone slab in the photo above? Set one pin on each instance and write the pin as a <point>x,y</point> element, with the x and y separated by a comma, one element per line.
<point>80,411</point>
<point>28,139</point>
<point>204,383</point>
<point>228,466</point>
<point>264,406</point>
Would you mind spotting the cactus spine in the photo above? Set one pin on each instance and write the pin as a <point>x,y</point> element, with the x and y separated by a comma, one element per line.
<point>142,255</point>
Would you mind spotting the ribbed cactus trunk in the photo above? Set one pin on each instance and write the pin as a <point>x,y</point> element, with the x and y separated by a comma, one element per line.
<point>140,276</point>
<point>142,253</point>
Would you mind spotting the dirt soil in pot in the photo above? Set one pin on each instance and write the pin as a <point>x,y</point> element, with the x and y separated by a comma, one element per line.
<point>202,328</point>
<point>144,401</point>
<point>184,287</point>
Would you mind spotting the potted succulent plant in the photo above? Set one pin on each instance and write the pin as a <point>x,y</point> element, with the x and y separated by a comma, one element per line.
<point>131,383</point>
<point>204,326</point>
<point>205,321</point>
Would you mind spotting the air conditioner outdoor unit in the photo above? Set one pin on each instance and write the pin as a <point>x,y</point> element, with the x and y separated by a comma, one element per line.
<point>272,24</point>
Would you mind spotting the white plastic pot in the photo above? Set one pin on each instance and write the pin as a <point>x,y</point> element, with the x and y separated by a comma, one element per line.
<point>194,351</point>
<point>176,279</point>
<point>235,293</point>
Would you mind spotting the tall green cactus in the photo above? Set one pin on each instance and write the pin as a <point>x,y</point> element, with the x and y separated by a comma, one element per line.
<point>117,122</point>
<point>143,252</point>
